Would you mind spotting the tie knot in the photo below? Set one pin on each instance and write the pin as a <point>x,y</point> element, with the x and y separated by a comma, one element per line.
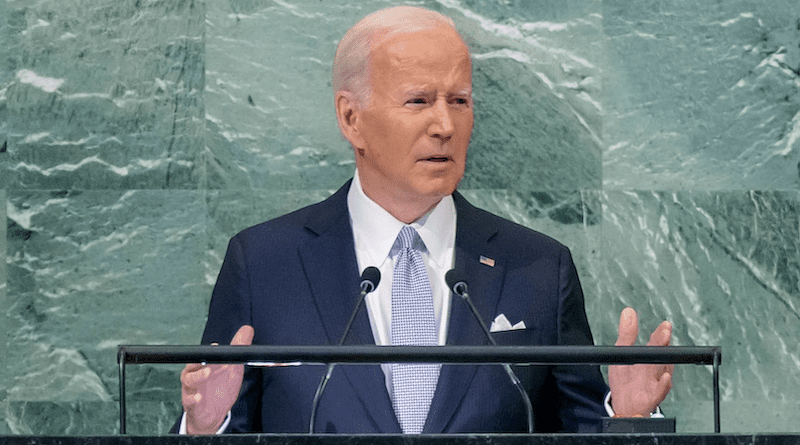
<point>407,237</point>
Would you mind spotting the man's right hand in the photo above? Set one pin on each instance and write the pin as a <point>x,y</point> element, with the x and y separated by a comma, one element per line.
<point>209,391</point>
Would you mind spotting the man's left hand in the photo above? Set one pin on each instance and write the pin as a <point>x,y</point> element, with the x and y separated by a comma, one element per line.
<point>636,390</point>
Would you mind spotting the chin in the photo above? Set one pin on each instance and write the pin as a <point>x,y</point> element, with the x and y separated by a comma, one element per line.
<point>438,189</point>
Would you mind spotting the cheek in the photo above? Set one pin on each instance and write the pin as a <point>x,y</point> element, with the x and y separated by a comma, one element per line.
<point>392,130</point>
<point>465,121</point>
<point>465,131</point>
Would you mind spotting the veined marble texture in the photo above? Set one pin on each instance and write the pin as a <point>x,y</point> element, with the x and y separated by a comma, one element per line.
<point>4,365</point>
<point>702,95</point>
<point>102,94</point>
<point>724,267</point>
<point>658,140</point>
<point>90,270</point>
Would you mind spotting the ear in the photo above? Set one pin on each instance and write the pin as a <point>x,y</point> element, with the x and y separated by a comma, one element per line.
<point>348,115</point>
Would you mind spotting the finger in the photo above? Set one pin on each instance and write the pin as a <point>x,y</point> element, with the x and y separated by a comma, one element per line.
<point>628,327</point>
<point>191,367</point>
<point>654,373</point>
<point>662,335</point>
<point>664,385</point>
<point>190,401</point>
<point>196,378</point>
<point>244,336</point>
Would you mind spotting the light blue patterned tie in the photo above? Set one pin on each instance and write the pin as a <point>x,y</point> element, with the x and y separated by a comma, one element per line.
<point>413,323</point>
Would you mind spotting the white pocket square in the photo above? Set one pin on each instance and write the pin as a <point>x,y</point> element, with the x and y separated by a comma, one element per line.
<point>501,324</point>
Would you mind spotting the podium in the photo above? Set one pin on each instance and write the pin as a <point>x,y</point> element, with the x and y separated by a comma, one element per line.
<point>465,355</point>
<point>481,439</point>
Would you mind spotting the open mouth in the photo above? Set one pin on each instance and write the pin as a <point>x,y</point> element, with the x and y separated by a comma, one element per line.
<point>437,159</point>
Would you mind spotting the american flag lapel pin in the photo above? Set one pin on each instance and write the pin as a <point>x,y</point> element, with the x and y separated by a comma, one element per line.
<point>487,261</point>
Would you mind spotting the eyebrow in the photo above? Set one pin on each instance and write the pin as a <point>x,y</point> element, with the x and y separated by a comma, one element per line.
<point>416,91</point>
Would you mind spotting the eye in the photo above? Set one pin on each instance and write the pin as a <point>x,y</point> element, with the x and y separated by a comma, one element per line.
<point>417,101</point>
<point>461,101</point>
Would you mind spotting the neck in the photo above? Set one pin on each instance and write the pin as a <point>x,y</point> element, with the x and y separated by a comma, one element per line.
<point>405,211</point>
<point>405,208</point>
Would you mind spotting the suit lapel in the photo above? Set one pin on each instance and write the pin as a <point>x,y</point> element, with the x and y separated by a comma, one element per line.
<point>473,240</point>
<point>331,269</point>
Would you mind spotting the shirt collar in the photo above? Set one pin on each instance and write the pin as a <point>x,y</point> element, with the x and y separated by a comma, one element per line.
<point>378,229</point>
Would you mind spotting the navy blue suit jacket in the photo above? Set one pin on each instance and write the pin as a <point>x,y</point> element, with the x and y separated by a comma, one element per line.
<point>295,280</point>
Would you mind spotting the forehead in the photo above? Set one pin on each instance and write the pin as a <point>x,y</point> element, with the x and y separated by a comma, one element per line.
<point>427,55</point>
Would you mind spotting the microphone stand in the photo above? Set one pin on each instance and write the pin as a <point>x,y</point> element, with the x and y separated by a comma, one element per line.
<point>459,287</point>
<point>369,281</point>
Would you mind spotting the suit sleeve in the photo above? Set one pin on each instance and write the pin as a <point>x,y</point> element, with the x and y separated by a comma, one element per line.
<point>581,389</point>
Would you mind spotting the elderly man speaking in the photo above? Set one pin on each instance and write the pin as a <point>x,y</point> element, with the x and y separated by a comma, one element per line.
<point>403,97</point>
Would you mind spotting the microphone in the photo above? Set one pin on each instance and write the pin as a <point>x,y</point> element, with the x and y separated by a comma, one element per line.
<point>457,282</point>
<point>370,278</point>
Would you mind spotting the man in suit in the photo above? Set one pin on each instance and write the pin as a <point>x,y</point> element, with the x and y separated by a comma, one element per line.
<point>403,99</point>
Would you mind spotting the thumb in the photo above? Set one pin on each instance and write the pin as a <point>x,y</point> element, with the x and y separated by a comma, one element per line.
<point>244,336</point>
<point>628,327</point>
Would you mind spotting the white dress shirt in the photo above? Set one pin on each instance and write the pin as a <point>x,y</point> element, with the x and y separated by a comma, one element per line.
<point>375,232</point>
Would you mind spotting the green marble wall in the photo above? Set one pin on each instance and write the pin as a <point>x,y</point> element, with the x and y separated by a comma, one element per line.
<point>660,140</point>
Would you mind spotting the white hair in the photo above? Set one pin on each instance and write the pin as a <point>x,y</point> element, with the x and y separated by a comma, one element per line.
<point>351,62</point>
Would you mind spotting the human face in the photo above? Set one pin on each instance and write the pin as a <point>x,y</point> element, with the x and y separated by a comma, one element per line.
<point>414,133</point>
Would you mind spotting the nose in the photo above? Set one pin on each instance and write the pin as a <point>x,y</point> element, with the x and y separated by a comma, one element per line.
<point>441,125</point>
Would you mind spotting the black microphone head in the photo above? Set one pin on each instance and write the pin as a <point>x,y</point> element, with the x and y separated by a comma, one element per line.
<point>370,279</point>
<point>456,281</point>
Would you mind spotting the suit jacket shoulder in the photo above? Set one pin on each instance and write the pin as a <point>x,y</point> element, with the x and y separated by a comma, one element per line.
<point>513,239</point>
<point>295,227</point>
